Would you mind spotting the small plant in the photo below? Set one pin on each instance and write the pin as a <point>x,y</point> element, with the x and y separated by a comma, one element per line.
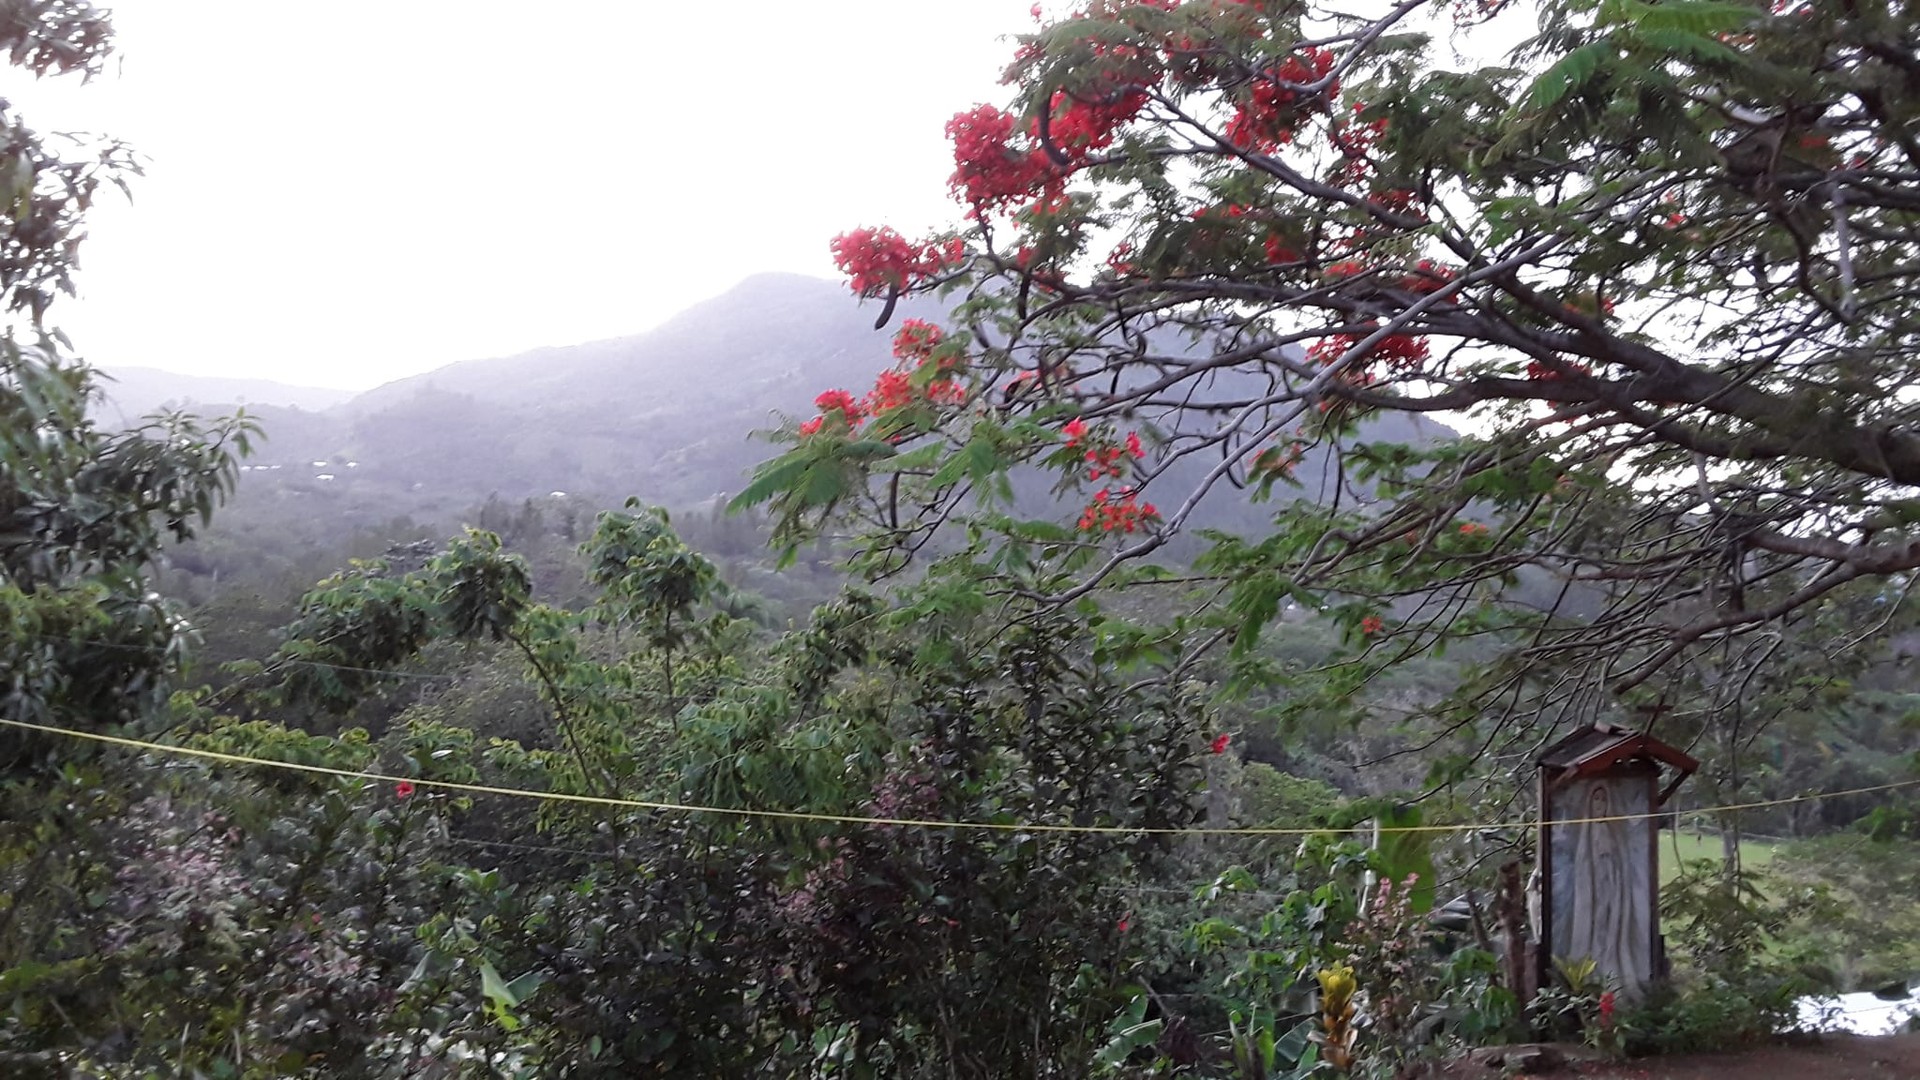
<point>1391,957</point>
<point>1337,1032</point>
<point>1579,1002</point>
<point>1606,1034</point>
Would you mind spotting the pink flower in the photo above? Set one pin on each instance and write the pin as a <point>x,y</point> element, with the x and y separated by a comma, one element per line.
<point>1075,430</point>
<point>403,789</point>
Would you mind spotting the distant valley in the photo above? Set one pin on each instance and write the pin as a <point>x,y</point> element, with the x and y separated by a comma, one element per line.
<point>556,434</point>
<point>666,415</point>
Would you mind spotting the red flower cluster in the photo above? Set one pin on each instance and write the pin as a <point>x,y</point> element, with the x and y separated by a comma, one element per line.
<point>1219,743</point>
<point>1473,529</point>
<point>917,343</point>
<point>1080,127</point>
<point>990,173</point>
<point>1372,624</point>
<point>1674,217</point>
<point>890,391</point>
<point>1606,1009</point>
<point>1103,458</point>
<point>1355,140</point>
<point>1280,100</point>
<point>403,789</point>
<point>1542,372</point>
<point>880,260</point>
<point>1122,513</point>
<point>830,402</point>
<point>1427,277</point>
<point>1402,352</point>
<point>916,340</point>
<point>1104,461</point>
<point>1279,251</point>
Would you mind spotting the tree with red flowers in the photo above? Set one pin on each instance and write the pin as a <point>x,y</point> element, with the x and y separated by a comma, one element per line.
<point>1660,265</point>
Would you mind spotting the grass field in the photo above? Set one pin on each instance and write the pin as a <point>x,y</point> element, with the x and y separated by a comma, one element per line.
<point>1676,847</point>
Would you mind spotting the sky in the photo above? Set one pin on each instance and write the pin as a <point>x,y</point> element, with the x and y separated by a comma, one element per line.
<point>339,194</point>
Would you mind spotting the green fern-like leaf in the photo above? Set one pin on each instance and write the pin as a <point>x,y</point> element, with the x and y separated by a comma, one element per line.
<point>771,479</point>
<point>1573,71</point>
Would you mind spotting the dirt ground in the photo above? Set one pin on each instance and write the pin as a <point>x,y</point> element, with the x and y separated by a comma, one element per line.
<point>1831,1057</point>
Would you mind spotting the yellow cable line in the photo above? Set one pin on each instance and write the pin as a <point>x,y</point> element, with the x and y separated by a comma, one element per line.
<point>854,819</point>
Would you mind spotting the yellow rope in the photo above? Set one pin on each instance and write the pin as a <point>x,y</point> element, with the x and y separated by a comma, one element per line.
<point>851,819</point>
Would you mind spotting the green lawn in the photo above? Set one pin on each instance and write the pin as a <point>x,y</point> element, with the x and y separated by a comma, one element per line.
<point>1754,854</point>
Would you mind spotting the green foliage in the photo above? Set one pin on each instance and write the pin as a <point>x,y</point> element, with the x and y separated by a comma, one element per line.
<point>1645,254</point>
<point>1733,983</point>
<point>1867,934</point>
<point>83,511</point>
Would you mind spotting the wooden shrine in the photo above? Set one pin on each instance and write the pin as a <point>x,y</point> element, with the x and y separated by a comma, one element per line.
<point>1601,790</point>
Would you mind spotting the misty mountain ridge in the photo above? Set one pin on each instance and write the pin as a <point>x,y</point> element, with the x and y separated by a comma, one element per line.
<point>129,393</point>
<point>667,415</point>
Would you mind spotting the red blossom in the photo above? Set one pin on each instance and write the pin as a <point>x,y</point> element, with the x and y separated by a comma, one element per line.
<point>1278,250</point>
<point>1356,140</point>
<point>878,261</point>
<point>1402,352</point>
<point>1542,372</point>
<point>1125,923</point>
<point>1427,277</point>
<point>1110,513</point>
<point>1372,624</point>
<point>916,340</point>
<point>1473,529</point>
<point>1133,445</point>
<point>838,401</point>
<point>1079,127</point>
<point>403,789</point>
<point>991,173</point>
<point>890,391</point>
<point>851,411</point>
<point>1219,743</point>
<point>946,392</point>
<point>1279,101</point>
<point>1075,430</point>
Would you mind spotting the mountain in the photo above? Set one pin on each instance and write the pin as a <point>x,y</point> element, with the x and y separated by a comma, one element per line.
<point>134,392</point>
<point>667,416</point>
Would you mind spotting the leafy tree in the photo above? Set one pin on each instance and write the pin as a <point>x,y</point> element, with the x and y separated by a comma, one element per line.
<point>83,512</point>
<point>1657,263</point>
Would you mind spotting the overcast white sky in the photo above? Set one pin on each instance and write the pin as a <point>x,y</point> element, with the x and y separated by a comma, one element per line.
<point>343,193</point>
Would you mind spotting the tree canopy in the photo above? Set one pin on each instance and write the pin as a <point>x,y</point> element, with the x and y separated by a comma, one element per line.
<point>1657,263</point>
<point>83,510</point>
